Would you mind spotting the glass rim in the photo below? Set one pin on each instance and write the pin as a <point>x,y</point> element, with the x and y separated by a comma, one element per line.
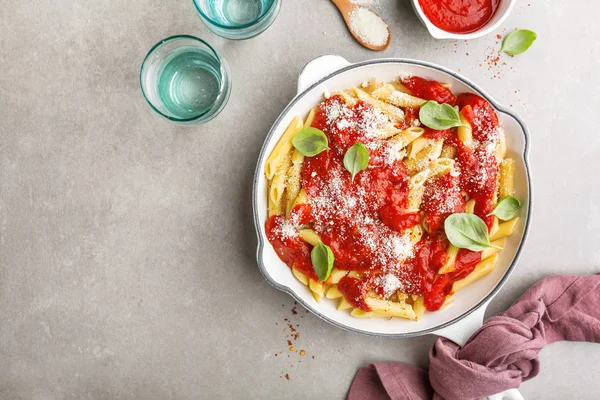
<point>236,27</point>
<point>170,39</point>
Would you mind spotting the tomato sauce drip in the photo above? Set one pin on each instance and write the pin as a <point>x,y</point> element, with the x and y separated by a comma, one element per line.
<point>480,114</point>
<point>365,220</point>
<point>354,292</point>
<point>459,16</point>
<point>429,90</point>
<point>430,256</point>
<point>478,165</point>
<point>289,247</point>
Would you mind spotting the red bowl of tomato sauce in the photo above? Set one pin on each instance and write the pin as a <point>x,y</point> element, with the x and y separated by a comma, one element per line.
<point>462,19</point>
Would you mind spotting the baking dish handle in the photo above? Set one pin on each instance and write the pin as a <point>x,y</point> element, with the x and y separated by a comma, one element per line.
<point>318,69</point>
<point>460,331</point>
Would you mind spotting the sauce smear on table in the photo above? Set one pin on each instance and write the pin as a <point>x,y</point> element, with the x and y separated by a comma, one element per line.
<point>459,16</point>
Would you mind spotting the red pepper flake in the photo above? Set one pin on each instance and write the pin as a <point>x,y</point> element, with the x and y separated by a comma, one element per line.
<point>287,376</point>
<point>499,36</point>
<point>289,342</point>
<point>302,353</point>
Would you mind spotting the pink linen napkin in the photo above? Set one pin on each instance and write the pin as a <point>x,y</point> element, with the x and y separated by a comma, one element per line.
<point>501,354</point>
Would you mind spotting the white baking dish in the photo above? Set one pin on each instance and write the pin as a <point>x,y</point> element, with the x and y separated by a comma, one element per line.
<point>457,321</point>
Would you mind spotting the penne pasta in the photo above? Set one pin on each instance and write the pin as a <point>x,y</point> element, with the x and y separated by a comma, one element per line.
<point>371,85</point>
<point>441,167</point>
<point>490,251</point>
<point>309,236</point>
<point>347,97</point>
<point>333,293</point>
<point>395,113</point>
<point>277,188</point>
<point>300,199</point>
<point>358,313</point>
<point>500,149</point>
<point>397,98</point>
<point>505,229</point>
<point>416,233</point>
<point>300,276</point>
<point>482,269</point>
<point>470,206</point>
<point>417,145</point>
<point>424,157</point>
<point>293,180</point>
<point>282,148</point>
<point>449,300</point>
<point>507,176</point>
<point>405,137</point>
<point>336,275</point>
<point>419,307</point>
<point>384,229</point>
<point>448,151</point>
<point>317,289</point>
<point>494,227</point>
<point>343,304</point>
<point>465,132</point>
<point>390,308</point>
<point>309,118</point>
<point>451,254</point>
<point>399,86</point>
<point>417,187</point>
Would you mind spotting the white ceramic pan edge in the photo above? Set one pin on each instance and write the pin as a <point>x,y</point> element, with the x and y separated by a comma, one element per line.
<point>456,322</point>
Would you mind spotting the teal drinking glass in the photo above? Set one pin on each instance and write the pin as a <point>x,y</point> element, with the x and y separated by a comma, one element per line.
<point>185,80</point>
<point>238,19</point>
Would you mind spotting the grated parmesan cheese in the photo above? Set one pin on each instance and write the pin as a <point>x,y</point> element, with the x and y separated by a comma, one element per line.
<point>369,27</point>
<point>288,229</point>
<point>390,284</point>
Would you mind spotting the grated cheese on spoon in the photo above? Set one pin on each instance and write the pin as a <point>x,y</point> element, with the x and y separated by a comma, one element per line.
<point>369,26</point>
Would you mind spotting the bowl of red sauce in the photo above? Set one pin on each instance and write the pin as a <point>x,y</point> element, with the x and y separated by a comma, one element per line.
<point>462,19</point>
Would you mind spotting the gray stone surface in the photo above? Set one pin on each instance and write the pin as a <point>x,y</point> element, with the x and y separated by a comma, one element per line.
<point>127,264</point>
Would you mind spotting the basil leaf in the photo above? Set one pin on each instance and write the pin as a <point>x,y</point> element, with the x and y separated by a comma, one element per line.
<point>356,159</point>
<point>467,231</point>
<point>507,208</point>
<point>310,141</point>
<point>439,116</point>
<point>322,261</point>
<point>518,41</point>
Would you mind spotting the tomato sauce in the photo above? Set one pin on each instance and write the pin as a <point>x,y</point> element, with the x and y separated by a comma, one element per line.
<point>366,221</point>
<point>349,213</point>
<point>459,16</point>
<point>354,292</point>
<point>442,197</point>
<point>290,248</point>
<point>429,90</point>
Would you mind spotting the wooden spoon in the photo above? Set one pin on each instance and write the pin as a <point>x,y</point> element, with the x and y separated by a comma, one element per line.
<point>346,7</point>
